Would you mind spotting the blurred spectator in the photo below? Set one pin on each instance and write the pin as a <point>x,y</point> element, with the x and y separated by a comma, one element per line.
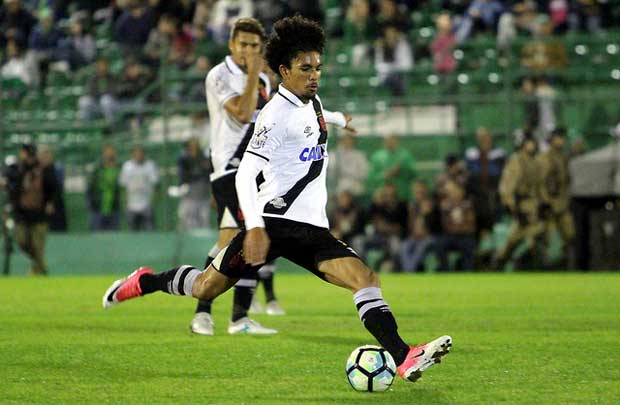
<point>268,12</point>
<point>312,9</point>
<point>555,195</point>
<point>136,77</point>
<point>455,171</point>
<point>390,13</point>
<point>530,104</point>
<point>46,36</point>
<point>392,164</point>
<point>170,42</point>
<point>19,66</point>
<point>32,190</point>
<point>194,168</point>
<point>57,220</point>
<point>506,32</point>
<point>347,220</point>
<point>520,192</point>
<point>194,90</point>
<point>224,13</point>
<point>458,225</point>
<point>79,48</point>
<point>388,225</point>
<point>485,165</point>
<point>359,30</point>
<point>558,13</point>
<point>442,47</point>
<point>393,59</point>
<point>544,52</point>
<point>484,14</point>
<point>202,14</point>
<point>181,10</point>
<point>132,28</point>
<point>587,15</point>
<point>419,240</point>
<point>62,8</point>
<point>100,93</point>
<point>104,192</point>
<point>139,177</point>
<point>16,21</point>
<point>44,45</point>
<point>348,167</point>
<point>546,96</point>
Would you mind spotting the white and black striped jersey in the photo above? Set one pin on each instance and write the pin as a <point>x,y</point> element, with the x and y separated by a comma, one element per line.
<point>229,137</point>
<point>289,149</point>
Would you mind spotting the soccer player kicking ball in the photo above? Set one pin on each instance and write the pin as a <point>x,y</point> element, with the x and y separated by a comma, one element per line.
<point>286,216</point>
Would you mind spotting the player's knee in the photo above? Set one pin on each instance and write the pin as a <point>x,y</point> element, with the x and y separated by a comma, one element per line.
<point>365,278</point>
<point>201,288</point>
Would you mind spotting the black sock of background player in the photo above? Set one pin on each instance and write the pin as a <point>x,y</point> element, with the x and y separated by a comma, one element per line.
<point>242,298</point>
<point>204,306</point>
<point>176,281</point>
<point>378,319</point>
<point>267,281</point>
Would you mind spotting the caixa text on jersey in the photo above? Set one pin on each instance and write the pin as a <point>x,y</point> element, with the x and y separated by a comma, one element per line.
<point>317,152</point>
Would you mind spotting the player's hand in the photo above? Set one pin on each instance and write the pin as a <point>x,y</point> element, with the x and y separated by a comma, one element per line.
<point>254,64</point>
<point>255,246</point>
<point>350,129</point>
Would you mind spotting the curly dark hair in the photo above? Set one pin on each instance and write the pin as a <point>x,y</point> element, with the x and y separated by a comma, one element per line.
<point>290,36</point>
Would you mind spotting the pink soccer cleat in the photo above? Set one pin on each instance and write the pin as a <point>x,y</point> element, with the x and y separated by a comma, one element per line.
<point>422,357</point>
<point>125,288</point>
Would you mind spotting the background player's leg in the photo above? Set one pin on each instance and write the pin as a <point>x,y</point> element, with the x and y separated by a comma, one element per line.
<point>266,276</point>
<point>374,312</point>
<point>242,299</point>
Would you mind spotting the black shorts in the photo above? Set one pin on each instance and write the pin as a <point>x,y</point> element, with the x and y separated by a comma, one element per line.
<point>225,194</point>
<point>303,244</point>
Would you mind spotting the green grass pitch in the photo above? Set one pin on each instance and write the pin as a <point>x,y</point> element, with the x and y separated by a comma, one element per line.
<point>533,338</point>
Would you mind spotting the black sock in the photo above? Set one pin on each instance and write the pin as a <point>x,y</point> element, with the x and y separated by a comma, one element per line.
<point>242,299</point>
<point>378,319</point>
<point>204,306</point>
<point>267,281</point>
<point>176,281</point>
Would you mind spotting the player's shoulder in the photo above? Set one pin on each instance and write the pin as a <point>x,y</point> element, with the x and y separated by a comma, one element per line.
<point>277,107</point>
<point>218,72</point>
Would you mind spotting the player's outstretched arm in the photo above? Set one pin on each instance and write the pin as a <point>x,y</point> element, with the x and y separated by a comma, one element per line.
<point>339,118</point>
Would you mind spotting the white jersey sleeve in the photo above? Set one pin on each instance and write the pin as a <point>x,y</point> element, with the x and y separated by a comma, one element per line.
<point>247,193</point>
<point>266,139</point>
<point>335,117</point>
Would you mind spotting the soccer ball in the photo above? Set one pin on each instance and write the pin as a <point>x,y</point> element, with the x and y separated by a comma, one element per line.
<point>370,368</point>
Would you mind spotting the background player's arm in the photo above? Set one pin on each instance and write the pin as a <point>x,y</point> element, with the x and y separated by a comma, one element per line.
<point>242,107</point>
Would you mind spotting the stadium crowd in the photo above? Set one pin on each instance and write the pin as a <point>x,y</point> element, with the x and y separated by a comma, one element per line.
<point>37,36</point>
<point>407,217</point>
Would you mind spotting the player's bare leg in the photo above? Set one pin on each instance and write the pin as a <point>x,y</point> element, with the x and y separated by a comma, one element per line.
<point>353,274</point>
<point>202,322</point>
